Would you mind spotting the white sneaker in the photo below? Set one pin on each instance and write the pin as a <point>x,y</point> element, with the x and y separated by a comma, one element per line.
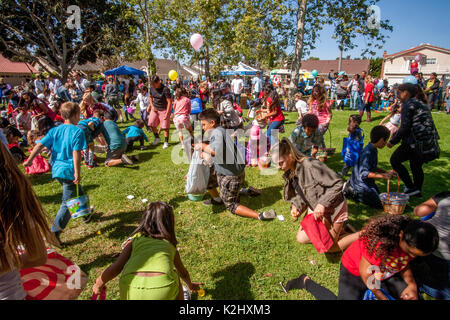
<point>166,145</point>
<point>157,140</point>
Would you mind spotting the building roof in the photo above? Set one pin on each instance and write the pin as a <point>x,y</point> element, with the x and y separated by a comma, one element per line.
<point>8,66</point>
<point>415,51</point>
<point>325,66</point>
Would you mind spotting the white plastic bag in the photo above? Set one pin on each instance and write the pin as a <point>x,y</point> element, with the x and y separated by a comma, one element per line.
<point>198,175</point>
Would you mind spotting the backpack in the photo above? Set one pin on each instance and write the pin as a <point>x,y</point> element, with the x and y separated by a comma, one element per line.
<point>424,134</point>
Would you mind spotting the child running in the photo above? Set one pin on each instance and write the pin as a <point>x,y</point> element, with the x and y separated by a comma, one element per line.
<point>149,260</point>
<point>66,142</point>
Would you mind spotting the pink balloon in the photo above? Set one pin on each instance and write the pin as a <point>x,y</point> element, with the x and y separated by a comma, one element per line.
<point>196,41</point>
<point>418,58</point>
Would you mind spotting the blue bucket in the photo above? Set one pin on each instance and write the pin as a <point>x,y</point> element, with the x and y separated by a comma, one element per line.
<point>79,206</point>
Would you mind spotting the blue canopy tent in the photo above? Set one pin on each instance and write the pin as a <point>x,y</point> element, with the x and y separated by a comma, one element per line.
<point>124,71</point>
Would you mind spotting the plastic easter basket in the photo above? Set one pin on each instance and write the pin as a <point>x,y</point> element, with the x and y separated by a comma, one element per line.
<point>79,206</point>
<point>195,197</point>
<point>394,202</point>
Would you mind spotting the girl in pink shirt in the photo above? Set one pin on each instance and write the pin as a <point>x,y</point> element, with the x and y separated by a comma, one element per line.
<point>320,107</point>
<point>182,110</point>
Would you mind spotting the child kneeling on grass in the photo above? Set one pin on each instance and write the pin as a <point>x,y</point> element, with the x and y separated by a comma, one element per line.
<point>361,185</point>
<point>135,133</point>
<point>379,259</point>
<point>228,175</point>
<point>307,137</point>
<point>65,142</point>
<point>150,262</point>
<point>116,143</point>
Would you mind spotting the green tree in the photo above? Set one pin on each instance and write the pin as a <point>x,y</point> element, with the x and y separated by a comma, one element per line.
<point>34,30</point>
<point>350,19</point>
<point>375,67</point>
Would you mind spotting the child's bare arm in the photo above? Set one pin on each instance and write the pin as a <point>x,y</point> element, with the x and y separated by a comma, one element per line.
<point>113,270</point>
<point>385,119</point>
<point>36,150</point>
<point>184,274</point>
<point>77,166</point>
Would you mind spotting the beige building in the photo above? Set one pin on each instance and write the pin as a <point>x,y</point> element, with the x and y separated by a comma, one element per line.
<point>396,66</point>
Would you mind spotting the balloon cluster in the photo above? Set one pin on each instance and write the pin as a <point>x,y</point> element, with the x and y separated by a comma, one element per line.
<point>414,67</point>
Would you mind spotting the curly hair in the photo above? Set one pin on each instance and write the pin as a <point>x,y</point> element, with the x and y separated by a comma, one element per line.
<point>322,97</point>
<point>381,235</point>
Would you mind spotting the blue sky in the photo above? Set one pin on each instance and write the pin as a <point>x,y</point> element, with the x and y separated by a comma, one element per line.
<point>414,22</point>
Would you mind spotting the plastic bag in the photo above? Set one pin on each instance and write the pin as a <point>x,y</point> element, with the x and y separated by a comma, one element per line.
<point>351,150</point>
<point>317,233</point>
<point>198,175</point>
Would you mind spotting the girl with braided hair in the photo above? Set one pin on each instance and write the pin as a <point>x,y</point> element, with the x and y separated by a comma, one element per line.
<point>379,260</point>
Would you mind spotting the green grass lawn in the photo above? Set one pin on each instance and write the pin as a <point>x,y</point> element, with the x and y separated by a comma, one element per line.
<point>235,258</point>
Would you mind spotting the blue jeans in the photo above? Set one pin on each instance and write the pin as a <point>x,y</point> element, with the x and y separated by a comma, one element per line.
<point>237,98</point>
<point>273,125</point>
<point>354,100</point>
<point>63,216</point>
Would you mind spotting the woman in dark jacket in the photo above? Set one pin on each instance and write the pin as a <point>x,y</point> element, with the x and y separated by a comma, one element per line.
<point>313,188</point>
<point>413,107</point>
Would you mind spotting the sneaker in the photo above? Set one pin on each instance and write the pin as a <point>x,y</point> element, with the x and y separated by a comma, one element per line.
<point>87,218</point>
<point>143,148</point>
<point>250,192</point>
<point>413,192</point>
<point>157,140</point>
<point>212,202</point>
<point>94,165</point>
<point>58,242</point>
<point>166,145</point>
<point>126,160</point>
<point>267,215</point>
<point>186,293</point>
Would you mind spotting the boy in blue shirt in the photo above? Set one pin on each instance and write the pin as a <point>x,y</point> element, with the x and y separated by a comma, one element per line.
<point>361,186</point>
<point>91,127</point>
<point>135,133</point>
<point>65,142</point>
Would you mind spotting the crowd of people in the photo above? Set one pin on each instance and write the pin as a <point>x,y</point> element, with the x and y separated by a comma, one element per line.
<point>66,122</point>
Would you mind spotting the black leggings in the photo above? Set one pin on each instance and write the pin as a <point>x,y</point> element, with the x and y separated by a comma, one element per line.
<point>130,141</point>
<point>352,287</point>
<point>405,153</point>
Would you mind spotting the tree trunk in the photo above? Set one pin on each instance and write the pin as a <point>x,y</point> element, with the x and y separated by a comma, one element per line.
<point>207,61</point>
<point>296,61</point>
<point>341,49</point>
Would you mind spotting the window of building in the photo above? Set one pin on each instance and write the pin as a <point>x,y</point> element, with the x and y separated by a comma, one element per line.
<point>430,61</point>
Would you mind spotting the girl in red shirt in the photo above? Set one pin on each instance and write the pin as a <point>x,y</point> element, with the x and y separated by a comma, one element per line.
<point>368,98</point>
<point>379,260</point>
<point>273,111</point>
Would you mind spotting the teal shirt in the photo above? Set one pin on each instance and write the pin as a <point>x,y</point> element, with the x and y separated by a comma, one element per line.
<point>134,131</point>
<point>113,136</point>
